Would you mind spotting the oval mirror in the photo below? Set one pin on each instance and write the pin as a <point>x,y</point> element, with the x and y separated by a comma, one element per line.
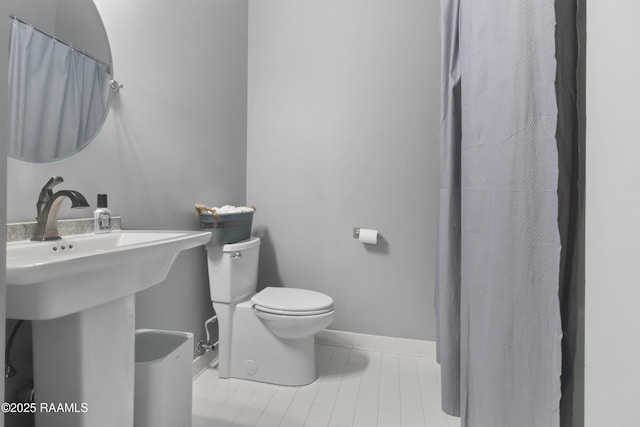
<point>59,78</point>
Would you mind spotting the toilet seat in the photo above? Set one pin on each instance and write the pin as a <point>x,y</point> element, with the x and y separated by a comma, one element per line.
<point>291,313</point>
<point>292,302</point>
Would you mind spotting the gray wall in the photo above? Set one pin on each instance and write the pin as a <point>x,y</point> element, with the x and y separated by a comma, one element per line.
<point>612,372</point>
<point>176,135</point>
<point>343,131</point>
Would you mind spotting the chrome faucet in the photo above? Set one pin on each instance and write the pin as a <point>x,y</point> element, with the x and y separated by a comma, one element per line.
<point>48,206</point>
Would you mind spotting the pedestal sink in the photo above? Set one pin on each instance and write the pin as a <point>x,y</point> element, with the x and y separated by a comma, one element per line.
<point>79,293</point>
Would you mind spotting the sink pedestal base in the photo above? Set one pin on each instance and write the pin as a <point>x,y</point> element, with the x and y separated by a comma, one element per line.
<point>84,367</point>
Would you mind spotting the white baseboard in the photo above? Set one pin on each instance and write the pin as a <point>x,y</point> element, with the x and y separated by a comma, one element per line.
<point>378,343</point>
<point>202,362</point>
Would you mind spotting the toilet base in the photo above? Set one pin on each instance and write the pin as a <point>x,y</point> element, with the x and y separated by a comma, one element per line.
<point>258,355</point>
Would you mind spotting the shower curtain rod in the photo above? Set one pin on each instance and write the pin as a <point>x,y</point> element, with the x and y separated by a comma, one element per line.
<point>58,40</point>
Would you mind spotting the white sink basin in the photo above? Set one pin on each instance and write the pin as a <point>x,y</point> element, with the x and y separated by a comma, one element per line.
<point>47,280</point>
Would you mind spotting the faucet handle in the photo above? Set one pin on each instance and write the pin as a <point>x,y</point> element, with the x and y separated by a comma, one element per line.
<point>53,181</point>
<point>46,193</point>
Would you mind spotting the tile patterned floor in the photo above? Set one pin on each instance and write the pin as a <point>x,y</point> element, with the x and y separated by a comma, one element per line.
<point>355,388</point>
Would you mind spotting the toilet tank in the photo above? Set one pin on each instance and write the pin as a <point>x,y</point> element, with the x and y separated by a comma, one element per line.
<point>233,270</point>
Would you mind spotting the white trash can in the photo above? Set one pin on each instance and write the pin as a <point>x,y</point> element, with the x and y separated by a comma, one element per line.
<point>163,378</point>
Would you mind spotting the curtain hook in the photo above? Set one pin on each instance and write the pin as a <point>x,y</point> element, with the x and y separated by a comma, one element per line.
<point>115,86</point>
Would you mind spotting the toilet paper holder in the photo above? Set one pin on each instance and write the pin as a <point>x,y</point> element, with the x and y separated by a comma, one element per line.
<point>356,232</point>
<point>365,235</point>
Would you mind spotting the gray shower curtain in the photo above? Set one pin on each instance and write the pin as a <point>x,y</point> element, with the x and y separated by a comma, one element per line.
<point>499,324</point>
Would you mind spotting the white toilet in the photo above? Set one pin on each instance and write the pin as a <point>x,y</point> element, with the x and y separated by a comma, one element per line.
<point>266,336</point>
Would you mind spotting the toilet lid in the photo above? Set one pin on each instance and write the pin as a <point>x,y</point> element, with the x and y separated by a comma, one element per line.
<point>292,301</point>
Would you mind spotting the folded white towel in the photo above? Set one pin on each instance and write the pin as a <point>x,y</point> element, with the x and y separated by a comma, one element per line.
<point>227,209</point>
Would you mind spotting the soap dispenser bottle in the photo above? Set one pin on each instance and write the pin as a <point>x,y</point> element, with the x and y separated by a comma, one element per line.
<point>102,216</point>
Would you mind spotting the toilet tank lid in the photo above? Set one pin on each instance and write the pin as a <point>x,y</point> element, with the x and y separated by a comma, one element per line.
<point>238,246</point>
<point>292,299</point>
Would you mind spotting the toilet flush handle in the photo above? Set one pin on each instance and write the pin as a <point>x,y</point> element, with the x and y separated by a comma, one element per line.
<point>236,255</point>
